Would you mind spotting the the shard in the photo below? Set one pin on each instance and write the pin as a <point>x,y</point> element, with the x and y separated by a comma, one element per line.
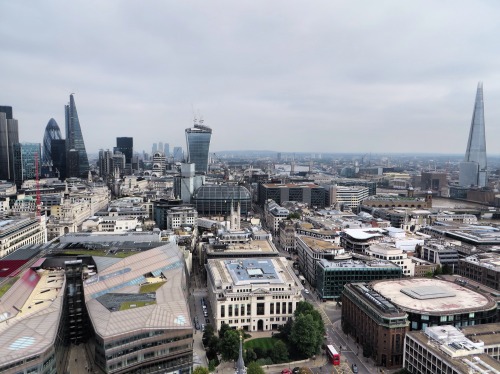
<point>52,132</point>
<point>473,168</point>
<point>74,139</point>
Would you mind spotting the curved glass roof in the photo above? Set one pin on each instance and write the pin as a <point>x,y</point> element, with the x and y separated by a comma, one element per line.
<point>215,191</point>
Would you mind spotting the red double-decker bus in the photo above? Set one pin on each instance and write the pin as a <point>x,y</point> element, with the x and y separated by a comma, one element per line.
<point>333,355</point>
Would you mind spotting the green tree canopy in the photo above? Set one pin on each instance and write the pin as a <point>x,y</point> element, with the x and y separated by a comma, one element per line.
<point>254,368</point>
<point>200,370</point>
<point>279,353</point>
<point>306,335</point>
<point>223,328</point>
<point>229,345</point>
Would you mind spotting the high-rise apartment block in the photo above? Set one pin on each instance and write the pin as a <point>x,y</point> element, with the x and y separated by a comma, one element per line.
<point>9,135</point>
<point>198,144</point>
<point>74,140</point>
<point>473,168</point>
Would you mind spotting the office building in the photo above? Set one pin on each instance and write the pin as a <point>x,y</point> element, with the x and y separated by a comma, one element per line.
<point>139,314</point>
<point>178,155</point>
<point>125,145</point>
<point>9,135</point>
<point>274,214</point>
<point>350,196</point>
<point>52,132</point>
<point>483,268</point>
<point>58,152</point>
<point>309,193</point>
<point>375,323</point>
<point>389,252</point>
<point>187,182</point>
<point>198,144</point>
<point>221,199</point>
<point>445,349</point>
<point>473,170</point>
<point>332,276</point>
<point>15,233</point>
<point>159,164</point>
<point>26,156</point>
<point>78,165</point>
<point>166,150</point>
<point>253,294</point>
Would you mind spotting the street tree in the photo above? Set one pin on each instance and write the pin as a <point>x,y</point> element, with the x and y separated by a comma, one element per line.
<point>229,345</point>
<point>306,335</point>
<point>200,370</point>
<point>254,368</point>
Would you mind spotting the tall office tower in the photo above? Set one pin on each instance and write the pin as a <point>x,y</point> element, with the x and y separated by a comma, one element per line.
<point>9,135</point>
<point>74,140</point>
<point>125,145</point>
<point>160,146</point>
<point>73,164</point>
<point>52,132</point>
<point>105,163</point>
<point>198,144</point>
<point>178,154</point>
<point>473,168</point>
<point>58,152</point>
<point>166,149</point>
<point>24,161</point>
<point>155,148</point>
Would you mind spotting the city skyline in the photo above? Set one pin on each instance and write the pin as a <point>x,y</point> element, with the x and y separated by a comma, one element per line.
<point>330,76</point>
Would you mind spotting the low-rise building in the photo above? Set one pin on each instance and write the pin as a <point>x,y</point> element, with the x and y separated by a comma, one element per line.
<point>444,349</point>
<point>311,250</point>
<point>389,252</point>
<point>483,268</point>
<point>253,294</point>
<point>17,232</point>
<point>332,276</point>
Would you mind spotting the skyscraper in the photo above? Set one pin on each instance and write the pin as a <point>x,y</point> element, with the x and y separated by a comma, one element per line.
<point>52,132</point>
<point>24,161</point>
<point>198,144</point>
<point>74,140</point>
<point>473,168</point>
<point>9,135</point>
<point>125,145</point>
<point>166,149</point>
<point>58,152</point>
<point>178,154</point>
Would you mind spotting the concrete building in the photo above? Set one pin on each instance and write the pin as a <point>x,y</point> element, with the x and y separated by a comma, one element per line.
<point>312,250</point>
<point>434,181</point>
<point>253,294</point>
<point>483,268</point>
<point>15,233</point>
<point>274,214</point>
<point>350,196</point>
<point>332,276</point>
<point>444,349</point>
<point>397,201</point>
<point>389,252</point>
<point>441,254</point>
<point>286,235</point>
<point>358,240</point>
<point>309,193</point>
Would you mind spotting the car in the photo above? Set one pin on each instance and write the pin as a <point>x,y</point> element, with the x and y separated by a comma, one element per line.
<point>354,368</point>
<point>296,370</point>
<point>202,327</point>
<point>306,290</point>
<point>197,326</point>
<point>286,371</point>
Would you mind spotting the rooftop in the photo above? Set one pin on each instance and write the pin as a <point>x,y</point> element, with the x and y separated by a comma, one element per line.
<point>432,296</point>
<point>319,245</point>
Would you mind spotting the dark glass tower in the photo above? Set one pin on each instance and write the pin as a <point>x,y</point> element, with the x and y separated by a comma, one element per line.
<point>58,150</point>
<point>52,132</point>
<point>126,146</point>
<point>473,168</point>
<point>74,140</point>
<point>9,135</point>
<point>198,144</point>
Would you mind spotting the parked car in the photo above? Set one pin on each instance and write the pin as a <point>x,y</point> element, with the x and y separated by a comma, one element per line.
<point>306,290</point>
<point>354,368</point>
<point>286,371</point>
<point>296,370</point>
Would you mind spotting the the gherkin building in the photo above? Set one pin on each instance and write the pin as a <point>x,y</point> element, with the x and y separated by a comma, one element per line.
<point>52,132</point>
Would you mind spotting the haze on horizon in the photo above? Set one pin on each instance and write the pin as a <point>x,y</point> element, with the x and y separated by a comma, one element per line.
<point>288,76</point>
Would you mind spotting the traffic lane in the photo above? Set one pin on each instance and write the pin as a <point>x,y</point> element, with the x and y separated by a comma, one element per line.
<point>351,356</point>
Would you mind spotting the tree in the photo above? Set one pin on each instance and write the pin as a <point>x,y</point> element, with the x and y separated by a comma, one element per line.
<point>223,328</point>
<point>279,353</point>
<point>229,345</point>
<point>200,370</point>
<point>254,368</point>
<point>293,215</point>
<point>304,335</point>
<point>250,355</point>
<point>284,331</point>
<point>208,334</point>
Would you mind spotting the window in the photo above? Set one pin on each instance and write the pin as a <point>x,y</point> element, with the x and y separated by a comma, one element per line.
<point>271,308</point>
<point>260,309</point>
<point>222,311</point>
<point>230,311</point>
<point>249,309</point>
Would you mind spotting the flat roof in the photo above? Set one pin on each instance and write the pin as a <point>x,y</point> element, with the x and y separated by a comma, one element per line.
<point>319,245</point>
<point>417,295</point>
<point>366,233</point>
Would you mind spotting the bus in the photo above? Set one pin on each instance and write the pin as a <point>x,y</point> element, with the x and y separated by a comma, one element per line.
<point>333,355</point>
<point>302,279</point>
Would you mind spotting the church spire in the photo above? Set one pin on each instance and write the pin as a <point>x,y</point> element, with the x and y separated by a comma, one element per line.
<point>240,364</point>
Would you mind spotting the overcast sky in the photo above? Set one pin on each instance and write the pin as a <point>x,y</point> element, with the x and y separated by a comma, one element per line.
<point>290,76</point>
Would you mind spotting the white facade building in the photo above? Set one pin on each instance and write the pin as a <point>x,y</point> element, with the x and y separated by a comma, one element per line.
<point>274,214</point>
<point>253,294</point>
<point>395,255</point>
<point>349,195</point>
<point>14,233</point>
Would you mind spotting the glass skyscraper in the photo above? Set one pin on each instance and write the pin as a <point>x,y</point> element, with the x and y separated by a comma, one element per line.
<point>198,144</point>
<point>473,168</point>
<point>74,138</point>
<point>24,161</point>
<point>52,132</point>
<point>9,135</point>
